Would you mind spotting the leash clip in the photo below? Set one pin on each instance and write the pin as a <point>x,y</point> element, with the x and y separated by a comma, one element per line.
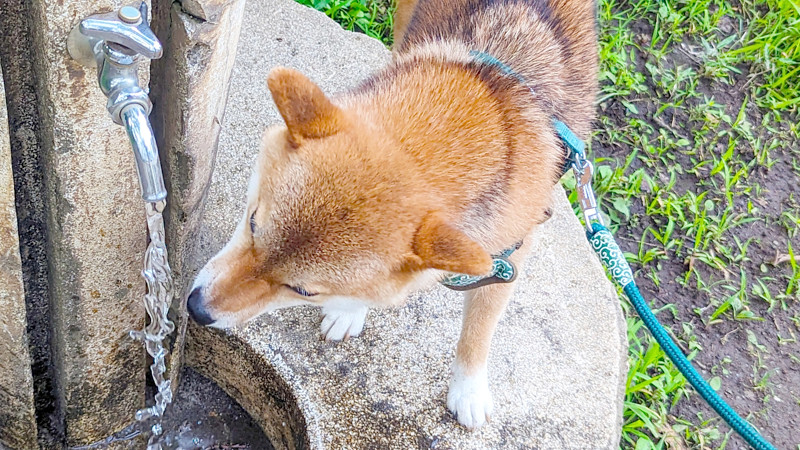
<point>583,171</point>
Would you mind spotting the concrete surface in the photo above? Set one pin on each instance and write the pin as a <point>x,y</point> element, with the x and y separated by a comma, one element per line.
<point>558,361</point>
<point>30,191</point>
<point>203,416</point>
<point>17,414</point>
<point>95,234</point>
<point>189,87</point>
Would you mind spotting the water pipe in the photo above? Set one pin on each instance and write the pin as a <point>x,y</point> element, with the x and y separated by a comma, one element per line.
<point>116,42</point>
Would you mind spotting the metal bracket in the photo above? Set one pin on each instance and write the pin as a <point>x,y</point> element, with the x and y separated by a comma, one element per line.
<point>584,171</point>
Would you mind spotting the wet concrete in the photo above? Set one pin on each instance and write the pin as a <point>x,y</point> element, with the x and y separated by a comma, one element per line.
<point>17,415</point>
<point>27,160</point>
<point>205,417</point>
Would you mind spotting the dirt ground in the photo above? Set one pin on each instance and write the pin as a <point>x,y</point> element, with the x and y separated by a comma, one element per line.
<point>756,359</point>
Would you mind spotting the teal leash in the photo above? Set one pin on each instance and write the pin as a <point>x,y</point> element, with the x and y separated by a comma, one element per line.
<point>610,254</point>
<point>613,259</point>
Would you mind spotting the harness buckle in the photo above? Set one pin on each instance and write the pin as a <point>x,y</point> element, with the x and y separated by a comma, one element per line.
<point>583,171</point>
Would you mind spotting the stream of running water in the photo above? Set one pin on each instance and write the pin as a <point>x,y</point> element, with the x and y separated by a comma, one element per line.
<point>157,300</point>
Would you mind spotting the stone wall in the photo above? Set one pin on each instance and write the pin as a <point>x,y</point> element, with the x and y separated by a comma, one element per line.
<point>17,415</point>
<point>82,232</point>
<point>190,89</point>
<point>26,162</point>
<point>94,245</point>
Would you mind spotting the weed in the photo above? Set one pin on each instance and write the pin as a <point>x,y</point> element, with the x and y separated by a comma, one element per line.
<point>371,17</point>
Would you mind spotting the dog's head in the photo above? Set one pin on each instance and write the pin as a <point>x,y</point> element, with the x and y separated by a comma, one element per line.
<point>334,209</point>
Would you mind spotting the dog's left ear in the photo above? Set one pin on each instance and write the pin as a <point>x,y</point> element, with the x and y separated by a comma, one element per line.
<point>439,245</point>
<point>304,107</point>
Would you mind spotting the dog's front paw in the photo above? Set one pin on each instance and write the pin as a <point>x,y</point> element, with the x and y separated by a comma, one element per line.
<point>339,324</point>
<point>469,398</point>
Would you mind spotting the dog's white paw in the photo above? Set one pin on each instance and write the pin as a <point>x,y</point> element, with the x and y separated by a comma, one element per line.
<point>469,397</point>
<point>339,324</point>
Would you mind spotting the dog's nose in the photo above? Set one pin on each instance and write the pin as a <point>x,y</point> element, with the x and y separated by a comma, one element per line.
<point>196,310</point>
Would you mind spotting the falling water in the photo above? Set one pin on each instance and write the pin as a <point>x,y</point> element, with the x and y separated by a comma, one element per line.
<point>157,300</point>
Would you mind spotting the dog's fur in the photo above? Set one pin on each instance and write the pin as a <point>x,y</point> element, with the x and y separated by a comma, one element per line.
<point>433,164</point>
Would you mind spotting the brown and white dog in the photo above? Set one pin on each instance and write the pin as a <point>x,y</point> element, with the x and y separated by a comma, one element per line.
<point>430,166</point>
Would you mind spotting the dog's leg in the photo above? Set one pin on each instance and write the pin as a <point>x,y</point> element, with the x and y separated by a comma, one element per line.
<point>343,318</point>
<point>402,16</point>
<point>468,396</point>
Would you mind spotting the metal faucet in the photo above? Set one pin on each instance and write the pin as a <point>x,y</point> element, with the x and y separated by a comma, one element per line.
<point>116,42</point>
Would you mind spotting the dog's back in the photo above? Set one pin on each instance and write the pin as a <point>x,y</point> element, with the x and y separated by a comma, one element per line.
<point>443,158</point>
<point>550,43</point>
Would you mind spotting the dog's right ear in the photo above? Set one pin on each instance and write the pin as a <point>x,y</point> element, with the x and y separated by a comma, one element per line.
<point>439,245</point>
<point>305,109</point>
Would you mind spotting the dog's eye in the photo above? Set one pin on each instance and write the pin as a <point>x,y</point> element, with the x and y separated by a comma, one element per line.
<point>300,291</point>
<point>253,222</point>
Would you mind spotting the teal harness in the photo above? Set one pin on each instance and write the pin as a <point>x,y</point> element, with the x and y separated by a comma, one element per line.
<point>503,270</point>
<point>613,259</point>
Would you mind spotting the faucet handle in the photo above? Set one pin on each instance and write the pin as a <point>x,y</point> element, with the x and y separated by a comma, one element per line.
<point>127,27</point>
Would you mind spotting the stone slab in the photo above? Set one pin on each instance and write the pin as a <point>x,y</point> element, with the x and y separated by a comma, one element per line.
<point>96,234</point>
<point>558,361</point>
<point>190,87</point>
<point>26,163</point>
<point>17,414</point>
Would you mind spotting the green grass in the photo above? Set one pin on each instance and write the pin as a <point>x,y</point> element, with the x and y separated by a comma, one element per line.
<point>692,173</point>
<point>371,17</point>
<point>772,44</point>
<point>697,127</point>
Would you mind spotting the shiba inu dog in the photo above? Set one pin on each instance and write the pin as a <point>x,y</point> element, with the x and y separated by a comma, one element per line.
<point>433,164</point>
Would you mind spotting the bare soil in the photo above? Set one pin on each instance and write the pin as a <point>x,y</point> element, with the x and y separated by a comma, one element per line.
<point>773,407</point>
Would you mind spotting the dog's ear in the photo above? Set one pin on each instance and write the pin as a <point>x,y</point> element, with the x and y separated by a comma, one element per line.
<point>303,106</point>
<point>439,245</point>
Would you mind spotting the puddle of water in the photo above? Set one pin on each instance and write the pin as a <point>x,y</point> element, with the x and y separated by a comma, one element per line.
<point>158,277</point>
<point>204,417</point>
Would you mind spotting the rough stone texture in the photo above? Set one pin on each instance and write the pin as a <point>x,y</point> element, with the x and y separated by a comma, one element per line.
<point>557,367</point>
<point>27,167</point>
<point>96,234</point>
<point>190,88</point>
<point>17,415</point>
<point>261,388</point>
<point>203,416</point>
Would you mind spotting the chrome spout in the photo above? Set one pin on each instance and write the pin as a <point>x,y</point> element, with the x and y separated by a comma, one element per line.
<point>116,42</point>
<point>148,166</point>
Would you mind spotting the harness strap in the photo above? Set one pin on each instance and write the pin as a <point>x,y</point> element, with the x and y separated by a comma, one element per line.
<point>503,270</point>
